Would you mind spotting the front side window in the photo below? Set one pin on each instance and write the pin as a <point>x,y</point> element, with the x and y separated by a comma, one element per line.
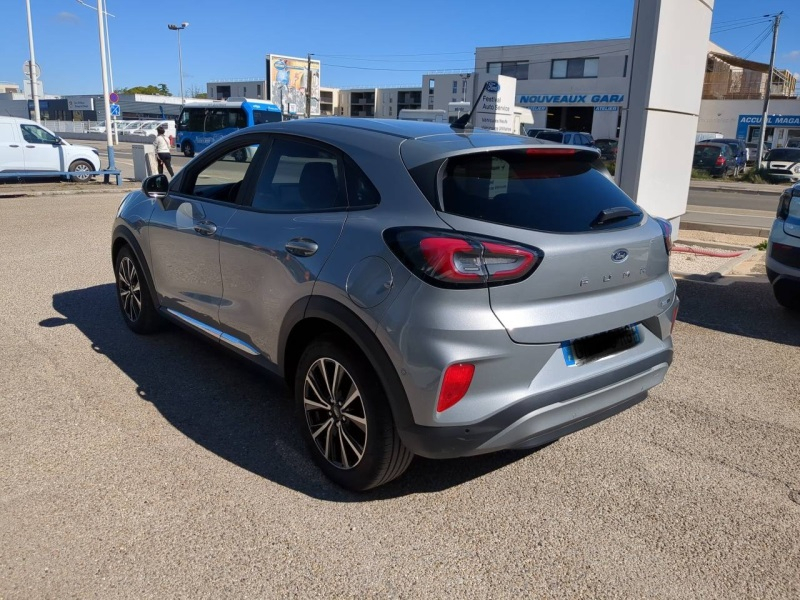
<point>33,134</point>
<point>221,179</point>
<point>574,68</point>
<point>299,177</point>
<point>266,116</point>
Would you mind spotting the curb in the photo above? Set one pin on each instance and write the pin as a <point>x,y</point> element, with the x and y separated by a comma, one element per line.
<point>726,268</point>
<point>737,190</point>
<point>732,229</point>
<point>105,189</point>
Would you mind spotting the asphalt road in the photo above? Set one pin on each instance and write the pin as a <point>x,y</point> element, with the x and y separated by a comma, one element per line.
<point>153,467</point>
<point>735,200</point>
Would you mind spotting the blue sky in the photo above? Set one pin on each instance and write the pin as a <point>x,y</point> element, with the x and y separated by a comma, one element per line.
<point>377,45</point>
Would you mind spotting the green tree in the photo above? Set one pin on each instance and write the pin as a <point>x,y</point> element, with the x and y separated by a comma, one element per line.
<point>153,90</point>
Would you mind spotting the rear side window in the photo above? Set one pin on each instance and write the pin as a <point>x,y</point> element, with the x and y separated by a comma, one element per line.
<point>536,189</point>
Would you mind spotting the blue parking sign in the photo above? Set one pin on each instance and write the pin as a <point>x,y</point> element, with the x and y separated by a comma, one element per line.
<point>115,110</point>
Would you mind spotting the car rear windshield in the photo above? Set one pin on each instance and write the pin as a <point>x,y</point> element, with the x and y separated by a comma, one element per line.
<point>544,189</point>
<point>707,151</point>
<point>787,154</point>
<point>551,136</point>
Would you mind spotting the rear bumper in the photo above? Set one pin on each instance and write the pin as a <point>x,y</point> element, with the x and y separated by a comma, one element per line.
<point>547,416</point>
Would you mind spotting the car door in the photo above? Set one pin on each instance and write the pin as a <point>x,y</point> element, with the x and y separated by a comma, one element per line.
<point>41,149</point>
<point>185,230</point>
<point>273,249</point>
<point>12,157</point>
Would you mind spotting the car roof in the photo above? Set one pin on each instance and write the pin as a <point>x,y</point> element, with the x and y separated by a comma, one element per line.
<point>422,141</point>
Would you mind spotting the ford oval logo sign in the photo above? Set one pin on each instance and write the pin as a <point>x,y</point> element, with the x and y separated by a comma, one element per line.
<point>492,87</point>
<point>619,255</point>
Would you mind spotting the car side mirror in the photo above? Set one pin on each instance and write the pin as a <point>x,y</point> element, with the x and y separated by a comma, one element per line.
<point>156,186</point>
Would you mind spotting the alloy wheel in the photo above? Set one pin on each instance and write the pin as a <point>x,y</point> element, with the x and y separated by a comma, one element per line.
<point>335,413</point>
<point>130,292</point>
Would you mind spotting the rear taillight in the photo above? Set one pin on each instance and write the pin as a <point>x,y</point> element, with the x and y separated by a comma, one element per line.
<point>455,383</point>
<point>456,260</point>
<point>720,161</point>
<point>783,204</point>
<point>666,230</point>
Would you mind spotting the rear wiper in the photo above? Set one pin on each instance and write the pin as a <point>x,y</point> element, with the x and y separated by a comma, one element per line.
<point>614,214</point>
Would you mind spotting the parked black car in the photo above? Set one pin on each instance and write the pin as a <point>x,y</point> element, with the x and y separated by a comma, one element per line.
<point>607,147</point>
<point>718,159</point>
<point>739,151</point>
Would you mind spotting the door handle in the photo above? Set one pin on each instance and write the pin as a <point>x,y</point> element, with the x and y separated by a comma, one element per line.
<point>302,247</point>
<point>205,227</point>
<point>14,145</point>
<point>30,146</point>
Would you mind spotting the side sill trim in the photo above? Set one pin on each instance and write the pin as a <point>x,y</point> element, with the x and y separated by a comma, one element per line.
<point>215,333</point>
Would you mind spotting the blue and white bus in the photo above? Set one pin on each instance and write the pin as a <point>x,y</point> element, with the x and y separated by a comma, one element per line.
<point>203,123</point>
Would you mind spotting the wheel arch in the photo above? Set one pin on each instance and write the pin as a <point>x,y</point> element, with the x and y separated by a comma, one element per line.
<point>316,316</point>
<point>123,237</point>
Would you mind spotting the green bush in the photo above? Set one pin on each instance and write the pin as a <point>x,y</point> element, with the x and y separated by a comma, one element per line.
<point>761,245</point>
<point>753,176</point>
<point>698,174</point>
<point>611,166</point>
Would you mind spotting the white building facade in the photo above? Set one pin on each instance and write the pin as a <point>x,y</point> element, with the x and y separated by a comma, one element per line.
<point>577,86</point>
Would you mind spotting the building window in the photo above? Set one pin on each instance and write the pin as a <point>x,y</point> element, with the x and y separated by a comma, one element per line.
<point>455,86</point>
<point>574,68</point>
<point>430,85</point>
<point>390,111</point>
<point>625,68</point>
<point>244,91</point>
<point>430,103</point>
<point>258,90</point>
<point>513,68</point>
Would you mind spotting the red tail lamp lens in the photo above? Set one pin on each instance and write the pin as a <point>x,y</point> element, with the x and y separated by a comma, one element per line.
<point>456,382</point>
<point>720,161</point>
<point>547,151</point>
<point>666,229</point>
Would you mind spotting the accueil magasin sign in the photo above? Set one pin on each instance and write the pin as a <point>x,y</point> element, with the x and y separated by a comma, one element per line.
<point>496,108</point>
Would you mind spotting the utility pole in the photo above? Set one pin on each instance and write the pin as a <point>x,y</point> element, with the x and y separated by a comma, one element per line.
<point>763,133</point>
<point>308,88</point>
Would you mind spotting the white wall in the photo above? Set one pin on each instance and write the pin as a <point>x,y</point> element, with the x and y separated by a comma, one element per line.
<point>723,115</point>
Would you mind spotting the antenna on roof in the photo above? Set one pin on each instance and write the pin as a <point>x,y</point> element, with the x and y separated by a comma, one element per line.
<point>463,120</point>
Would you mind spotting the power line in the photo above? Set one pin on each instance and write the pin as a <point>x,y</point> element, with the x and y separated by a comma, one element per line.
<point>747,51</point>
<point>713,31</point>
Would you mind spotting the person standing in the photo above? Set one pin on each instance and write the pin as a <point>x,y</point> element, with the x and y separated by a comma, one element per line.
<point>163,156</point>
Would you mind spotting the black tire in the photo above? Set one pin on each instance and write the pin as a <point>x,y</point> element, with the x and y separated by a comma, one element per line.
<point>352,417</point>
<point>133,294</point>
<point>188,149</point>
<point>80,166</point>
<point>787,295</point>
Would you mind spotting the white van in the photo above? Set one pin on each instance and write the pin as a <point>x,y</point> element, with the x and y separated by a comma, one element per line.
<point>26,147</point>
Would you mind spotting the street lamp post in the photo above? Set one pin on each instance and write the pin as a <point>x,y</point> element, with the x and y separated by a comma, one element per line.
<point>110,121</point>
<point>32,67</point>
<point>178,28</point>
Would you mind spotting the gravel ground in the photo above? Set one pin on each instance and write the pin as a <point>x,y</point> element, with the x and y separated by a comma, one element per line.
<point>161,467</point>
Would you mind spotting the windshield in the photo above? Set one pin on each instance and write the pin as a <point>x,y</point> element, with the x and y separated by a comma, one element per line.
<point>266,116</point>
<point>541,189</point>
<point>552,136</point>
<point>787,154</point>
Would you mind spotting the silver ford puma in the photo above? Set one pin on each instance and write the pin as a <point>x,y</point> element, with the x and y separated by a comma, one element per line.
<point>423,289</point>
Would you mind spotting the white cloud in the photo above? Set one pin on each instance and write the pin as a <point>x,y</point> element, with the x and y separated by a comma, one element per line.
<point>67,17</point>
<point>793,55</point>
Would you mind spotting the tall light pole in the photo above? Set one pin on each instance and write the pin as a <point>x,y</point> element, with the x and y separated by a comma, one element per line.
<point>308,87</point>
<point>104,68</point>
<point>106,14</point>
<point>32,67</point>
<point>178,28</point>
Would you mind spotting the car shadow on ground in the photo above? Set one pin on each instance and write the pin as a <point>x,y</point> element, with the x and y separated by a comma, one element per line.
<point>232,408</point>
<point>738,305</point>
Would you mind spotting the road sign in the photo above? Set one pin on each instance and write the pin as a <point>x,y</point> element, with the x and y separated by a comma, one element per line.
<point>115,110</point>
<point>26,69</point>
<point>113,97</point>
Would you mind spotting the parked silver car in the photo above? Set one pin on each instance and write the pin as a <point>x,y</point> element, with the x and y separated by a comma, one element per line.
<point>422,289</point>
<point>783,250</point>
